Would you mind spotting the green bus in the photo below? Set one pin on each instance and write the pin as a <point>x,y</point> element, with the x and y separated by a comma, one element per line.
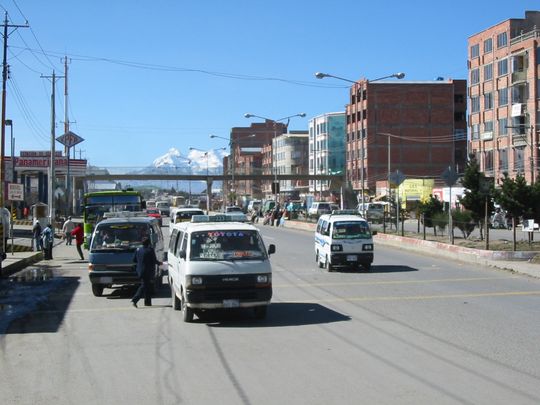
<point>96,204</point>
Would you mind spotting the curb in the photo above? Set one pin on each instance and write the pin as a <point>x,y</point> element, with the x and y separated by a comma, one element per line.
<point>19,265</point>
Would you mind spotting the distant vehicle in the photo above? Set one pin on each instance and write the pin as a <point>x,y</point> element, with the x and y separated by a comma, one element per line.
<point>178,201</point>
<point>183,215</point>
<point>150,203</point>
<point>319,208</point>
<point>233,208</point>
<point>268,205</point>
<point>96,204</point>
<point>374,212</point>
<point>113,246</point>
<point>164,208</point>
<point>343,238</point>
<point>155,213</point>
<point>254,205</point>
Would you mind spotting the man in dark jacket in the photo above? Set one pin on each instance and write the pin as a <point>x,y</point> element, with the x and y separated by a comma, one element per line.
<point>146,260</point>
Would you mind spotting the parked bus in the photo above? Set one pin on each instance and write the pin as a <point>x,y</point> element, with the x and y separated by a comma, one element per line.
<point>96,204</point>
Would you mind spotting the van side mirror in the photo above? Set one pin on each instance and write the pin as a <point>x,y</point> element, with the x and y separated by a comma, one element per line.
<point>165,256</point>
<point>271,249</point>
<point>182,254</point>
<point>374,233</point>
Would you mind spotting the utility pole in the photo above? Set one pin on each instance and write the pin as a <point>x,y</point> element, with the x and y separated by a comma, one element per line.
<point>66,131</point>
<point>52,171</point>
<point>6,25</point>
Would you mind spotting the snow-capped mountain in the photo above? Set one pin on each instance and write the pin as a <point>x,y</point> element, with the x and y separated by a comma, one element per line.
<point>194,162</point>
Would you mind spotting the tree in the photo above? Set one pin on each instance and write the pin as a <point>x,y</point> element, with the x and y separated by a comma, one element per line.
<point>479,193</point>
<point>516,198</point>
<point>429,210</point>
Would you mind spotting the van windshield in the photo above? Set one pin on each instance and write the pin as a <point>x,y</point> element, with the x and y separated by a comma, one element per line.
<point>226,245</point>
<point>119,236</point>
<point>351,230</point>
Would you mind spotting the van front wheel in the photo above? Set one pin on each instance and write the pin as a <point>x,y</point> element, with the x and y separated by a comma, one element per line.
<point>187,312</point>
<point>176,303</point>
<point>97,289</point>
<point>327,265</point>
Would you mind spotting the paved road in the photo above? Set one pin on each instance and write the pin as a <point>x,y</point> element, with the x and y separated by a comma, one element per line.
<point>414,330</point>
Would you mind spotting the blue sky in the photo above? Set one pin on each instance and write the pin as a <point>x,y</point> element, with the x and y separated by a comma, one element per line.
<point>146,76</point>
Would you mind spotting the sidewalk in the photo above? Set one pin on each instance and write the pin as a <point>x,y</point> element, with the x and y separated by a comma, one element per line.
<point>19,260</point>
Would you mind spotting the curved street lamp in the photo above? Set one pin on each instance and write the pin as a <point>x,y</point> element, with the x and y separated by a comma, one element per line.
<point>399,75</point>
<point>208,182</point>
<point>288,118</point>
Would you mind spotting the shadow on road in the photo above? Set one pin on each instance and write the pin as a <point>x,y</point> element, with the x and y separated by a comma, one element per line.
<point>36,305</point>
<point>375,269</point>
<point>279,314</point>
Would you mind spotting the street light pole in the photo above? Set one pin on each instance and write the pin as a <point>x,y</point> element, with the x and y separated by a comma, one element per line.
<point>399,75</point>
<point>275,122</point>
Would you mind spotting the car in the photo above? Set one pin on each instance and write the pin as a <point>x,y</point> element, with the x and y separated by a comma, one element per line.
<point>164,208</point>
<point>319,208</point>
<point>254,205</point>
<point>155,213</point>
<point>216,262</point>
<point>374,212</point>
<point>112,248</point>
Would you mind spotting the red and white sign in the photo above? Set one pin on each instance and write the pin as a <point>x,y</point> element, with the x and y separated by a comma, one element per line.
<point>15,192</point>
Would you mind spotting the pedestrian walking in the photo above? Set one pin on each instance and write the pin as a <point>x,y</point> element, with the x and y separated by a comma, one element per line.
<point>146,260</point>
<point>78,233</point>
<point>36,237</point>
<point>67,228</point>
<point>47,239</point>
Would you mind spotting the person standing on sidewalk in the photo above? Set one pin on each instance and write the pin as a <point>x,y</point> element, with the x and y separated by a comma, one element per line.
<point>146,260</point>
<point>36,237</point>
<point>78,233</point>
<point>67,228</point>
<point>47,239</point>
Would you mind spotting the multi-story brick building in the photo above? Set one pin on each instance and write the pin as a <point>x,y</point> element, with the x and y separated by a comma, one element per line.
<point>503,91</point>
<point>247,157</point>
<point>418,128</point>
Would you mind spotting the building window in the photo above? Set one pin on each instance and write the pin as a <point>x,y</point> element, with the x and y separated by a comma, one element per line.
<point>520,93</point>
<point>488,126</point>
<point>502,40</point>
<point>488,72</point>
<point>503,126</point>
<point>475,131</point>
<point>502,67</point>
<point>519,163</point>
<point>503,159</point>
<point>475,76</point>
<point>475,51</point>
<point>503,96</point>
<point>488,160</point>
<point>488,101</point>
<point>475,104</point>
<point>488,45</point>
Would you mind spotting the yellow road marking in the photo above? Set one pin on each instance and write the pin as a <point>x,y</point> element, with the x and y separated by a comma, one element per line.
<point>441,280</point>
<point>423,297</point>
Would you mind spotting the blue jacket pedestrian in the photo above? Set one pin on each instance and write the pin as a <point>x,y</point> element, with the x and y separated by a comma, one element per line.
<point>146,260</point>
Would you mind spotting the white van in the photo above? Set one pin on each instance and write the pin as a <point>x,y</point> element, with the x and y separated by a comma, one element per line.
<point>218,262</point>
<point>182,215</point>
<point>343,238</point>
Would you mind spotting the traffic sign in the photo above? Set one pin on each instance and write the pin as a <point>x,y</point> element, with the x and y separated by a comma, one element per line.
<point>15,192</point>
<point>396,178</point>
<point>450,176</point>
<point>69,139</point>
